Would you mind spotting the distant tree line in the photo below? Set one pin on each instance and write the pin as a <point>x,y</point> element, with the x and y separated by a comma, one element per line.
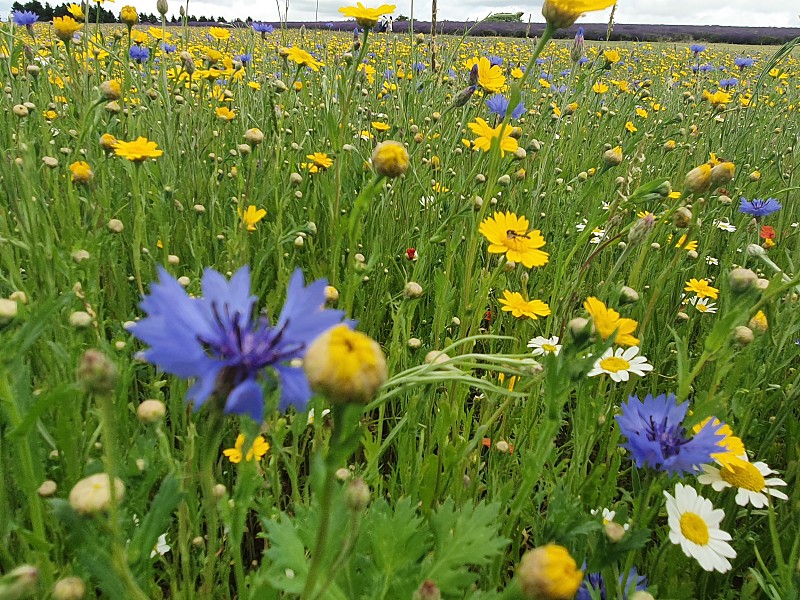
<point>46,13</point>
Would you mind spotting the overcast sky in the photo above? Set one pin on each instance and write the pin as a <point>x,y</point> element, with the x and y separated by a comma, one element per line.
<point>765,13</point>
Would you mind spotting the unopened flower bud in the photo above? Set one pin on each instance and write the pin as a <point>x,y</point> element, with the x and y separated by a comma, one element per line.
<point>357,495</point>
<point>549,572</point>
<point>47,489</point>
<point>254,136</point>
<point>21,582</point>
<point>96,373</point>
<point>69,588</point>
<point>428,590</point>
<point>613,157</point>
<point>462,97</point>
<point>93,494</point>
<point>743,335</point>
<point>162,7</point>
<point>628,295</point>
<point>8,309</point>
<point>682,217</point>
<point>698,179</point>
<point>641,230</point>
<point>641,595</point>
<point>741,280</point>
<point>345,365</point>
<point>436,357</point>
<point>614,531</point>
<point>580,329</point>
<point>390,159</point>
<point>219,491</point>
<point>722,174</point>
<point>151,411</point>
<point>413,290</point>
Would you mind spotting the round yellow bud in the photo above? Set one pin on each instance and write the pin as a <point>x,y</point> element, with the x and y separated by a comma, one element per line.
<point>549,573</point>
<point>345,365</point>
<point>390,159</point>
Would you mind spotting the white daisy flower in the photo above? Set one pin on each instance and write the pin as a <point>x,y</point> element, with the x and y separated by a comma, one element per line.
<point>620,363</point>
<point>710,260</point>
<point>325,413</point>
<point>694,524</point>
<point>704,305</point>
<point>608,516</point>
<point>725,226</point>
<point>161,547</point>
<point>542,345</point>
<point>748,478</point>
<point>598,235</point>
<point>582,225</point>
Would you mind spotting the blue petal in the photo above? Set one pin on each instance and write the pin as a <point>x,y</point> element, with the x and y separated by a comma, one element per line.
<point>247,398</point>
<point>295,390</point>
<point>203,387</point>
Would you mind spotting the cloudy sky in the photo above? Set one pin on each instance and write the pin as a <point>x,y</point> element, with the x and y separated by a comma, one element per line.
<point>765,13</point>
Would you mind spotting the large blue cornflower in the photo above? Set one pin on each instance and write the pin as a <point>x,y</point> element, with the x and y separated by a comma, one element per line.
<point>24,18</point>
<point>498,105</point>
<point>758,207</point>
<point>139,53</point>
<point>262,27</point>
<point>743,62</point>
<point>697,49</point>
<point>594,582</point>
<point>728,83</point>
<point>225,347</point>
<point>657,437</point>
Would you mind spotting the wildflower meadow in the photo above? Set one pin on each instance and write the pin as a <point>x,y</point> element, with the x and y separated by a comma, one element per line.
<point>291,313</point>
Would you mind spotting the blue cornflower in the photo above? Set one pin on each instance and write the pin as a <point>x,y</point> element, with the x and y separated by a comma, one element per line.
<point>697,49</point>
<point>262,27</point>
<point>707,68</point>
<point>583,60</point>
<point>657,437</point>
<point>758,207</point>
<point>245,59</point>
<point>220,342</point>
<point>558,89</point>
<point>541,61</point>
<point>498,105</point>
<point>139,53</point>
<point>388,74</point>
<point>24,18</point>
<point>594,582</point>
<point>743,62</point>
<point>167,48</point>
<point>451,73</point>
<point>728,83</point>
<point>495,60</point>
<point>419,67</point>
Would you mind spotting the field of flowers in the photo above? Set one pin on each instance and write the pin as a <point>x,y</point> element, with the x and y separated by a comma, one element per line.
<point>290,313</point>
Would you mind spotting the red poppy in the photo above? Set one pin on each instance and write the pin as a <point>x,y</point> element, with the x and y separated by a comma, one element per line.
<point>411,253</point>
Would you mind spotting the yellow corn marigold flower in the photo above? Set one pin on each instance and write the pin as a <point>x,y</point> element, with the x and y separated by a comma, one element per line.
<point>599,88</point>
<point>108,142</point>
<point>520,308</point>
<point>65,27</point>
<point>320,160</point>
<point>549,573</point>
<point>76,11</point>
<point>517,73</point>
<point>303,58</point>
<point>129,16</point>
<point>759,322</point>
<point>225,114</point>
<point>251,216</point>
<point>563,13</point>
<point>690,246</point>
<point>607,321</point>
<point>732,445</point>
<point>259,448</point>
<point>631,127</point>
<point>390,159</point>
<point>509,235</point>
<point>486,133</point>
<point>81,172</point>
<point>702,287</point>
<point>367,17</point>
<point>490,77</point>
<point>611,56</point>
<point>138,150</point>
<point>381,126</point>
<point>345,365</point>
<point>219,34</point>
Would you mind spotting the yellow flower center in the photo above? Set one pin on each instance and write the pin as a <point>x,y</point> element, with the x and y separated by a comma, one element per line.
<point>701,307</point>
<point>613,364</point>
<point>549,348</point>
<point>743,475</point>
<point>694,528</point>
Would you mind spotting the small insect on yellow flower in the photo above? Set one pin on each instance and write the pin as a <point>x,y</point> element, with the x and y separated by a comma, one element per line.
<point>607,321</point>
<point>367,17</point>
<point>563,13</point>
<point>251,216</point>
<point>520,308</point>
<point>257,451</point>
<point>509,235</point>
<point>486,133</point>
<point>138,150</point>
<point>702,287</point>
